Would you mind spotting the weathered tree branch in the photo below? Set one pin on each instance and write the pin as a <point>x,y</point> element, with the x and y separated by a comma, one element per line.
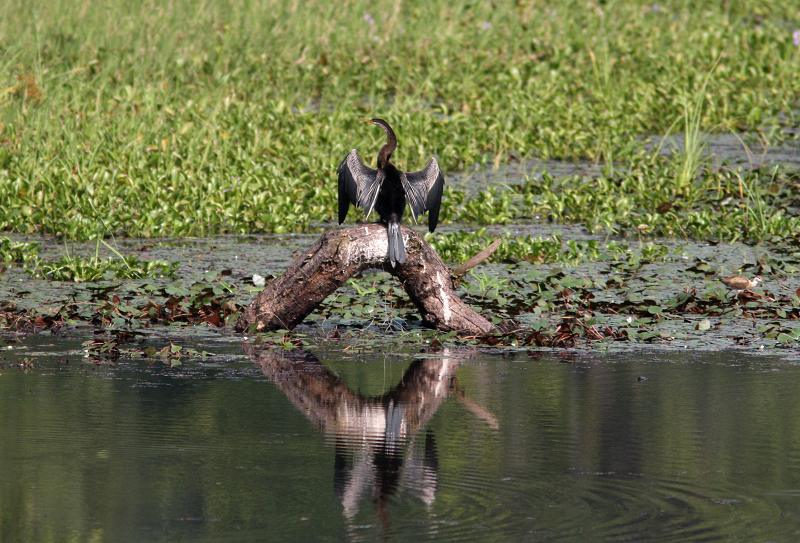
<point>477,259</point>
<point>342,253</point>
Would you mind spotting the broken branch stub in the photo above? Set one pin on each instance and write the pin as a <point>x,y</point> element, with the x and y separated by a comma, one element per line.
<point>342,253</point>
<point>477,259</point>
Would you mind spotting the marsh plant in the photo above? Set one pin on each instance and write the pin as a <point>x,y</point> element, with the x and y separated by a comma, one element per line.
<point>75,268</point>
<point>17,252</point>
<point>199,118</point>
<point>80,269</point>
<point>690,161</point>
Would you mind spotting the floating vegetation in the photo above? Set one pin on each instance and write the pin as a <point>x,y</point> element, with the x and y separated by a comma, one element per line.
<point>116,344</point>
<point>208,301</point>
<point>458,246</point>
<point>724,204</point>
<point>80,270</point>
<point>17,252</point>
<point>590,292</point>
<point>132,306</point>
<point>230,138</point>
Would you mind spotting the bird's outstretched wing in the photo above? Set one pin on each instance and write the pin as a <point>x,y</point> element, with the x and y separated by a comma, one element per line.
<point>424,192</point>
<point>358,184</point>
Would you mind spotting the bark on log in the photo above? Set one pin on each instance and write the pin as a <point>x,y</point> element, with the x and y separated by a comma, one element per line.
<point>344,252</point>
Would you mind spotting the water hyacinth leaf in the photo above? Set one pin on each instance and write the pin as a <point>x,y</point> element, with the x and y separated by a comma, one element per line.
<point>176,289</point>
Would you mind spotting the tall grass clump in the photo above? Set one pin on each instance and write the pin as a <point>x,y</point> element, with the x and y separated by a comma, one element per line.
<point>691,160</point>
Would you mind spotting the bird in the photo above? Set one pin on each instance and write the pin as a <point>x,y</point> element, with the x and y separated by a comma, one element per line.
<point>740,283</point>
<point>387,190</point>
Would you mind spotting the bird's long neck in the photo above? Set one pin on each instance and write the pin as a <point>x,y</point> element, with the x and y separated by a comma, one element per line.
<point>385,154</point>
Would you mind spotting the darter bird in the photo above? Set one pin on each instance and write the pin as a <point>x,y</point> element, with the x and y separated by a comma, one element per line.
<point>387,190</point>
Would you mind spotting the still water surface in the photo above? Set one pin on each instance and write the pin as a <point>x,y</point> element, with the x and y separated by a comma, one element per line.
<point>442,447</point>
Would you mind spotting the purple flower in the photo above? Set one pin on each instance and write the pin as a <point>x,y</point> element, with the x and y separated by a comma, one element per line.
<point>796,38</point>
<point>486,25</point>
<point>369,19</point>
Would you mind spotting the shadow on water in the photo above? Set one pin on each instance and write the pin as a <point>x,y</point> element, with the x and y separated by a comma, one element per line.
<point>375,438</point>
<point>597,461</point>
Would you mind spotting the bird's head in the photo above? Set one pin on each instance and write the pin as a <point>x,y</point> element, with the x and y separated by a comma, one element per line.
<point>379,122</point>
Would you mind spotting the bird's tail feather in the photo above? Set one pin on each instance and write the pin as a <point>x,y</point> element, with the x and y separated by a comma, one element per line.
<point>397,250</point>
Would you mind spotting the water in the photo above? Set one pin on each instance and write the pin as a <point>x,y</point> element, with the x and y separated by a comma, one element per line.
<point>445,446</point>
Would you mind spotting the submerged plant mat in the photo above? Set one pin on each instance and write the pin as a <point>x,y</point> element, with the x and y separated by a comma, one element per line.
<point>620,295</point>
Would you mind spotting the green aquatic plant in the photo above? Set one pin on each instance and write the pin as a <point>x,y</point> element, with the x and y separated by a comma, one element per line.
<point>197,118</point>
<point>691,159</point>
<point>760,219</point>
<point>636,292</point>
<point>18,252</point>
<point>784,336</point>
<point>641,202</point>
<point>456,247</point>
<point>79,269</point>
<point>491,206</point>
<point>484,285</point>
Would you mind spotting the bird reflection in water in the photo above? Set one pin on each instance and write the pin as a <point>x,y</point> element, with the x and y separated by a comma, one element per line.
<point>378,449</point>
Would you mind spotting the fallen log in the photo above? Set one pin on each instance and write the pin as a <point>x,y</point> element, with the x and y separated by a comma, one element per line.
<point>340,254</point>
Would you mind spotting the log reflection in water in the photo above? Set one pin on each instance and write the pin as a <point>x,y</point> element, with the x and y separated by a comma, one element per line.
<point>374,435</point>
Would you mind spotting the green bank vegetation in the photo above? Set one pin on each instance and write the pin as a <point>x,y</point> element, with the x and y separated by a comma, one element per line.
<point>197,118</point>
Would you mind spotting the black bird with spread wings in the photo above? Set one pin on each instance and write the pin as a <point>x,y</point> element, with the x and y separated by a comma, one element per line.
<point>387,189</point>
